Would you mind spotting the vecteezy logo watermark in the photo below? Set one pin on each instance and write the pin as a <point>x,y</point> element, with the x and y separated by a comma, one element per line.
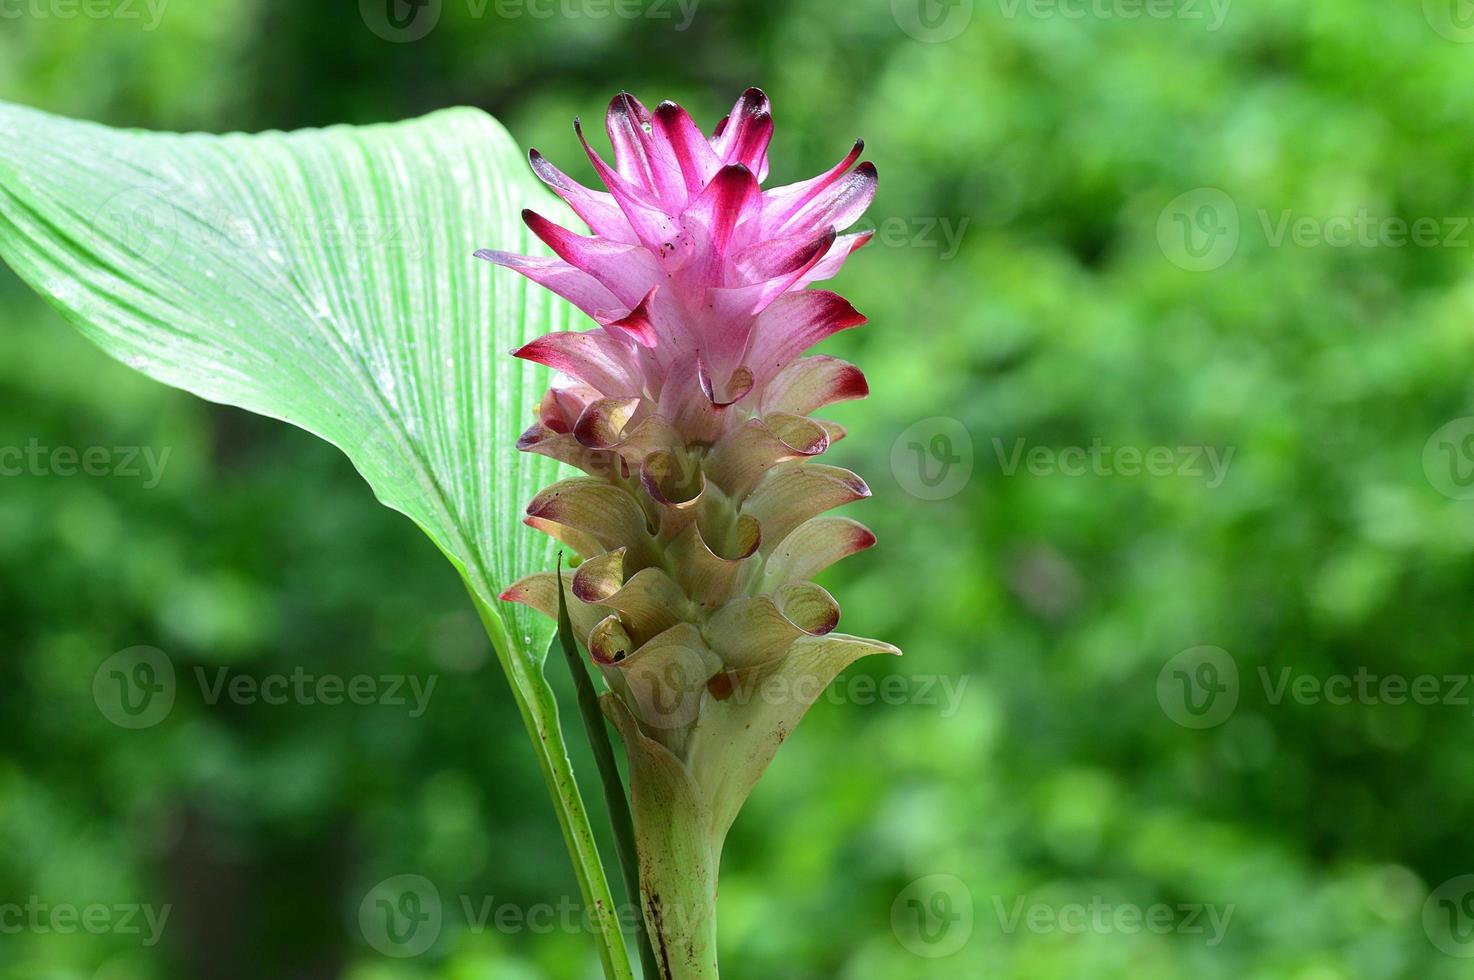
<point>1214,12</point>
<point>401,916</point>
<point>933,459</point>
<point>933,21</point>
<point>134,688</point>
<point>1199,688</point>
<point>151,12</point>
<point>1101,917</point>
<point>1448,917</point>
<point>1099,459</point>
<point>141,221</point>
<point>124,462</point>
<point>97,919</point>
<point>1199,231</point>
<point>400,21</point>
<point>1448,459</point>
<point>933,916</point>
<point>1453,19</point>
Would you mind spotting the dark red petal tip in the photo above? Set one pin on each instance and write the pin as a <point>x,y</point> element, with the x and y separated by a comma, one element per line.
<point>838,310</point>
<point>543,350</point>
<point>545,170</point>
<point>637,322</point>
<point>536,434</point>
<point>756,98</point>
<point>852,384</point>
<point>734,182</point>
<point>627,106</point>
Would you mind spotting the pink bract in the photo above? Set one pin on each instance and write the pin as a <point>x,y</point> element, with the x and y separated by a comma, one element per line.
<point>697,277</point>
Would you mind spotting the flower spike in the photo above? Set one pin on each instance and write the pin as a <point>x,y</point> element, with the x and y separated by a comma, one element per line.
<point>704,512</point>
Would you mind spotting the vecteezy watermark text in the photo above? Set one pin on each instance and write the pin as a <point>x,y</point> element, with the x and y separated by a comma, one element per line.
<point>680,12</point>
<point>403,916</point>
<point>402,21</point>
<point>96,918</point>
<point>1212,12</point>
<point>1100,459</point>
<point>925,690</point>
<point>300,687</point>
<point>125,462</point>
<point>151,222</point>
<point>136,688</point>
<point>1102,917</point>
<point>939,234</point>
<point>1365,687</point>
<point>937,21</point>
<point>1363,229</point>
<point>1200,687</point>
<point>1202,229</point>
<point>151,12</point>
<point>672,695</point>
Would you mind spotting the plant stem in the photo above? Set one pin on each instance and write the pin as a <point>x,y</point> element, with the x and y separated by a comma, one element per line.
<point>539,712</point>
<point>614,793</point>
<point>679,857</point>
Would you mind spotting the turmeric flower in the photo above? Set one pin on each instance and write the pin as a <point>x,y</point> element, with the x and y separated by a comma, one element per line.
<point>703,516</point>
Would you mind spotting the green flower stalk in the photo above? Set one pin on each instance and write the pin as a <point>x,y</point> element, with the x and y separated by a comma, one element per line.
<point>703,516</point>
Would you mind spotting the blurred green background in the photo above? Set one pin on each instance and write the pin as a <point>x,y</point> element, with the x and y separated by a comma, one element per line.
<point>1096,230</point>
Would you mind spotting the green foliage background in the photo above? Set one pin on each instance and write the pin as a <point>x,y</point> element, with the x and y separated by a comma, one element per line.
<point>1053,144</point>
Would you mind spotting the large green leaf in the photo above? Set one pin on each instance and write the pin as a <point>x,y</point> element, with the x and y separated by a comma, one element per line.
<point>327,278</point>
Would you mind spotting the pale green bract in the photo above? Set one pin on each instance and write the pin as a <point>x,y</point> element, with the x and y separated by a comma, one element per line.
<point>326,278</point>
